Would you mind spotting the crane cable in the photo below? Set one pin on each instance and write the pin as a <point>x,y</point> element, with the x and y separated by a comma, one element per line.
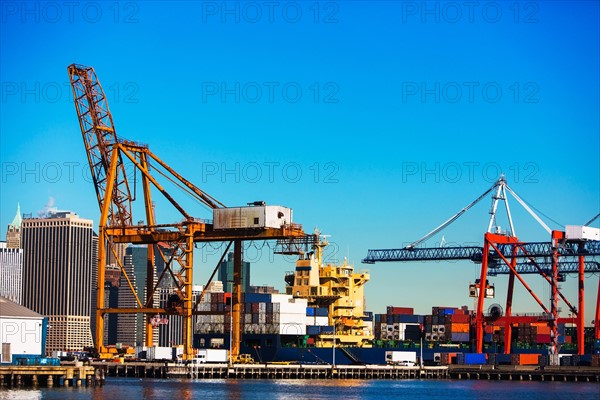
<point>454,217</point>
<point>592,220</point>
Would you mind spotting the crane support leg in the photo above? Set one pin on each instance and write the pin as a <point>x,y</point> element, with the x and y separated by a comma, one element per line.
<point>99,345</point>
<point>150,264</point>
<point>482,280</point>
<point>581,306</point>
<point>597,319</point>
<point>188,303</point>
<point>509,299</point>
<point>102,251</point>
<point>236,300</point>
<point>556,237</point>
<point>149,292</point>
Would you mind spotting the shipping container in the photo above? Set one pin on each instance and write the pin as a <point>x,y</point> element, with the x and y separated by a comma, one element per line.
<point>525,359</point>
<point>458,318</point>
<point>475,359</point>
<point>460,337</point>
<point>400,310</point>
<point>327,329</point>
<point>581,232</point>
<point>313,330</point>
<point>259,217</point>
<point>543,339</point>
<point>406,318</point>
<point>458,328</point>
<point>322,312</point>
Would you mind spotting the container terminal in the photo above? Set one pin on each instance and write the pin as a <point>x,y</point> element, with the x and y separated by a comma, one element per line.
<point>321,319</point>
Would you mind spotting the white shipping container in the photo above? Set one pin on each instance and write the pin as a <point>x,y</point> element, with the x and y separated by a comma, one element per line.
<point>581,232</point>
<point>259,217</point>
<point>318,321</point>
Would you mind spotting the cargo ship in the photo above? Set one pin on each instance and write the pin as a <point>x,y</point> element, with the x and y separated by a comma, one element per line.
<point>321,319</point>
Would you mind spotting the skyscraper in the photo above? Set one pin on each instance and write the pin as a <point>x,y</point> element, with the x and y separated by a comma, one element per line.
<point>132,327</point>
<point>11,270</point>
<point>226,274</point>
<point>57,277</point>
<point>13,234</point>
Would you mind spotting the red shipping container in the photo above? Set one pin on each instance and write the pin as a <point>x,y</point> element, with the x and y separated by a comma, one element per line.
<point>488,329</point>
<point>400,310</point>
<point>543,338</point>
<point>459,319</point>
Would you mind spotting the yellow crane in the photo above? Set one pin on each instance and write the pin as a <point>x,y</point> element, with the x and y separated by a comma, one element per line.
<point>107,157</point>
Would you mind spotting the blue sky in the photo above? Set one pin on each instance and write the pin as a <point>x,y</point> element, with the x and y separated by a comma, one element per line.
<point>374,121</point>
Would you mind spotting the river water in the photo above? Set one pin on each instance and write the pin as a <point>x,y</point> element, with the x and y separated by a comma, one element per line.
<point>134,389</point>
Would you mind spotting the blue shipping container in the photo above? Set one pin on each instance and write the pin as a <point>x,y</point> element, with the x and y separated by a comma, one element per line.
<point>322,312</point>
<point>310,311</point>
<point>475,359</point>
<point>411,319</point>
<point>257,298</point>
<point>328,329</point>
<point>313,330</point>
<point>460,337</point>
<point>488,338</point>
<point>448,311</point>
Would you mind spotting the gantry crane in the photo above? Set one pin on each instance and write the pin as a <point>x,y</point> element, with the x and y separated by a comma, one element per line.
<point>500,254</point>
<point>107,156</point>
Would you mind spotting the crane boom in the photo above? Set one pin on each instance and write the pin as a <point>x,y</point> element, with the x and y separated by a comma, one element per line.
<point>99,137</point>
<point>474,253</point>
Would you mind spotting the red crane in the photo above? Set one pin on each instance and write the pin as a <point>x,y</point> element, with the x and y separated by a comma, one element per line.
<point>504,250</point>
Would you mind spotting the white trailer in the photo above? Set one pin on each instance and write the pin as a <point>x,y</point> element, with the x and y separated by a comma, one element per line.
<point>405,358</point>
<point>157,353</point>
<point>204,356</point>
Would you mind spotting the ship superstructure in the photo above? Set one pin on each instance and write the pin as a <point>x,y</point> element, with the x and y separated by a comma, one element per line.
<point>336,288</point>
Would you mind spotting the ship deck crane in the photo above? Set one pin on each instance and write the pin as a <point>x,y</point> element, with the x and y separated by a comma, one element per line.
<point>107,156</point>
<point>500,254</point>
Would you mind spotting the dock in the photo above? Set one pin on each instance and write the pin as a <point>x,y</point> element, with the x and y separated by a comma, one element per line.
<point>305,371</point>
<point>49,376</point>
<point>269,371</point>
<point>96,373</point>
<point>525,373</point>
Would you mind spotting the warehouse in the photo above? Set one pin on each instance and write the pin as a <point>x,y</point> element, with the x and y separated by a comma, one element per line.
<point>22,332</point>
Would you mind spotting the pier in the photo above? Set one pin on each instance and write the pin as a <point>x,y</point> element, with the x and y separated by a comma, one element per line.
<point>49,376</point>
<point>367,372</point>
<point>524,373</point>
<point>270,371</point>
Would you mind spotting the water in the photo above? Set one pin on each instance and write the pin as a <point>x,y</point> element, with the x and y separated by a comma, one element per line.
<point>133,389</point>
